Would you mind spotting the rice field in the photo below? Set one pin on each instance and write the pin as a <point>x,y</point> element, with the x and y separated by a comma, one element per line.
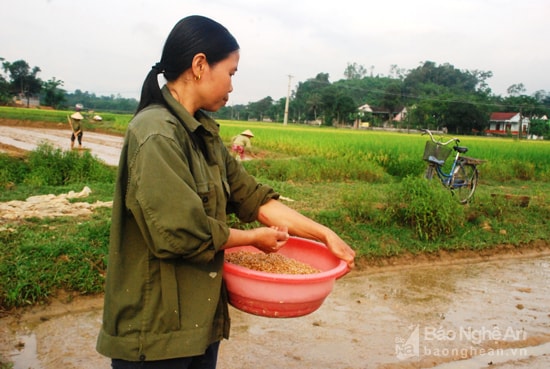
<point>320,153</point>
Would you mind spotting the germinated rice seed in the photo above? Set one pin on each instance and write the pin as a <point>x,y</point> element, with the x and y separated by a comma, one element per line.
<point>269,263</point>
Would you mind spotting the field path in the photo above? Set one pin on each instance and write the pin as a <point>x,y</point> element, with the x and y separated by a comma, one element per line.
<point>103,146</point>
<point>471,315</point>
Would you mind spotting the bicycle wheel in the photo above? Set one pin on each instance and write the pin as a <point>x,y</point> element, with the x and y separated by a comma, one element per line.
<point>464,182</point>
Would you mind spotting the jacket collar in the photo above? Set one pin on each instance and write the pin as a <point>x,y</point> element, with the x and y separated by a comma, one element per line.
<point>201,119</point>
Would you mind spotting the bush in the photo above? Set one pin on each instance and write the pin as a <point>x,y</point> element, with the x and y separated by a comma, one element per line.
<point>12,170</point>
<point>426,206</point>
<point>49,166</point>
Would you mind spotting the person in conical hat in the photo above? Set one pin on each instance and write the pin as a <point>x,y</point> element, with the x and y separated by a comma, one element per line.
<point>77,116</point>
<point>75,121</point>
<point>247,133</point>
<point>240,143</point>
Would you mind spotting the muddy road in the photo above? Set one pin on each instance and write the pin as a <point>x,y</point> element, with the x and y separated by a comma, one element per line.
<point>457,315</point>
<point>24,138</point>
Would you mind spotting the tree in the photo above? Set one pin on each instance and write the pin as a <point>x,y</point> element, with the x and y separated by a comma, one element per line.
<point>277,110</point>
<point>24,80</point>
<point>516,89</point>
<point>464,117</point>
<point>328,105</point>
<point>448,97</point>
<point>482,77</point>
<point>52,95</point>
<point>107,103</point>
<point>540,127</point>
<point>392,98</point>
<point>308,99</point>
<point>4,91</point>
<point>355,71</point>
<point>260,109</point>
<point>396,72</point>
<point>346,109</point>
<point>446,76</point>
<point>4,85</point>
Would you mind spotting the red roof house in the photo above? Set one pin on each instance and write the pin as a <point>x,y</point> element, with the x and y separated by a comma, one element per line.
<point>506,123</point>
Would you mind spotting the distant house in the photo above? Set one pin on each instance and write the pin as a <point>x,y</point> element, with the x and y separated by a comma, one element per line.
<point>365,108</point>
<point>383,114</point>
<point>401,116</point>
<point>508,123</point>
<point>28,101</point>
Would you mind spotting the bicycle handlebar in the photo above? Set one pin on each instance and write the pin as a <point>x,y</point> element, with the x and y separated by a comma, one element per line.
<point>454,139</point>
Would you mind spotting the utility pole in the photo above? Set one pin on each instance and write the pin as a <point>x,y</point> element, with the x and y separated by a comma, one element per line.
<point>285,120</point>
<point>520,126</point>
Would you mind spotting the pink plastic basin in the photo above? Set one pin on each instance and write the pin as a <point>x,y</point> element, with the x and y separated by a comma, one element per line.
<point>284,295</point>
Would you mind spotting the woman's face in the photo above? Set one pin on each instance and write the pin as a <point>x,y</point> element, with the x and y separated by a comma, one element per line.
<point>216,82</point>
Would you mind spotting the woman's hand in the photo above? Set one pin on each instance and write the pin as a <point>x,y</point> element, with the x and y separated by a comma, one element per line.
<point>341,249</point>
<point>266,239</point>
<point>270,239</point>
<point>275,213</point>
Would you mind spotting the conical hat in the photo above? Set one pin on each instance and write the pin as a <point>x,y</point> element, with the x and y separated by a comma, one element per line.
<point>247,133</point>
<point>77,116</point>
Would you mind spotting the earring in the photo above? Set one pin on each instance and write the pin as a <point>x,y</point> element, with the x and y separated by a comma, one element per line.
<point>198,78</point>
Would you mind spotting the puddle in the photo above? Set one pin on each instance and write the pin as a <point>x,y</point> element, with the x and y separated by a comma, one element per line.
<point>25,356</point>
<point>479,315</point>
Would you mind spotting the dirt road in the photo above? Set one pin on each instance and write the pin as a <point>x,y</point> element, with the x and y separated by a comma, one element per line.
<point>465,315</point>
<point>105,147</point>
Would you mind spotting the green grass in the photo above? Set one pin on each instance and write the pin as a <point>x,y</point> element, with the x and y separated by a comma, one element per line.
<point>366,185</point>
<point>41,256</point>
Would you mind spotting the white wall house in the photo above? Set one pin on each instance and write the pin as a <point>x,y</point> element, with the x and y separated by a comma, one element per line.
<point>505,123</point>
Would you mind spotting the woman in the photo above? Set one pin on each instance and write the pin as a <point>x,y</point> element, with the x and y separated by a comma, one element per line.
<point>241,143</point>
<point>165,304</point>
<point>75,122</point>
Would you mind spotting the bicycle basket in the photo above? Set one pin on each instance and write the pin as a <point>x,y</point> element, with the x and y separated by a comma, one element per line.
<point>438,151</point>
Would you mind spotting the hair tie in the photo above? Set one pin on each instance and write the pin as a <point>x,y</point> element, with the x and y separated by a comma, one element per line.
<point>158,68</point>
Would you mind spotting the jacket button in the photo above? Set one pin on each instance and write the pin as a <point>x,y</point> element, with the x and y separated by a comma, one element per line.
<point>141,357</point>
<point>205,199</point>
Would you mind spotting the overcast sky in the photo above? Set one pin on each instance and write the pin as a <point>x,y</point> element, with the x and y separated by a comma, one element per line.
<point>107,47</point>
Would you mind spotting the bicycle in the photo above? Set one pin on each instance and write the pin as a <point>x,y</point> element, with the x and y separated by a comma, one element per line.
<point>462,178</point>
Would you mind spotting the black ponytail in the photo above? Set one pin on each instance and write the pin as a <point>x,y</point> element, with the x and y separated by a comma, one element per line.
<point>190,36</point>
<point>150,91</point>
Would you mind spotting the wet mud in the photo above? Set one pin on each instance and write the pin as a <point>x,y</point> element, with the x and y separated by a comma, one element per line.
<point>14,139</point>
<point>464,315</point>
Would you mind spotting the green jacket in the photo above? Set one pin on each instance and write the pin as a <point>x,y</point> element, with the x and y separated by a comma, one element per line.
<point>164,295</point>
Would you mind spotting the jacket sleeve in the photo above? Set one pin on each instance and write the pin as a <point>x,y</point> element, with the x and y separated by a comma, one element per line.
<point>167,207</point>
<point>247,195</point>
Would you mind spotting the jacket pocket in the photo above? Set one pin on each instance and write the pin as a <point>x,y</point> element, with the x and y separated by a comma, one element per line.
<point>207,194</point>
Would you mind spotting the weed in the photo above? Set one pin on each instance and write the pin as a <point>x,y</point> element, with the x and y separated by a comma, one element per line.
<point>49,166</point>
<point>425,206</point>
<point>12,170</point>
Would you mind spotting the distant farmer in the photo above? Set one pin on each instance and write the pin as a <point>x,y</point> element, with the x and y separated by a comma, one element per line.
<point>240,143</point>
<point>75,122</point>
